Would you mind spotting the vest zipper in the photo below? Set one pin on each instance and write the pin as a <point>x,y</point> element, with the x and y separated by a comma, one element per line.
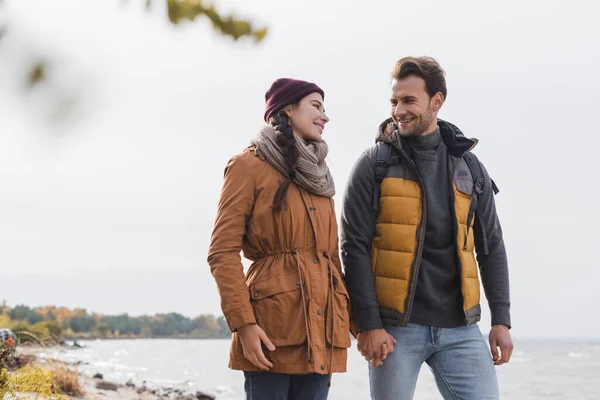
<point>457,250</point>
<point>419,250</point>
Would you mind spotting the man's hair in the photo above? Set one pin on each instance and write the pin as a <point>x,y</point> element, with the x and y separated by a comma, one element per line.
<point>426,68</point>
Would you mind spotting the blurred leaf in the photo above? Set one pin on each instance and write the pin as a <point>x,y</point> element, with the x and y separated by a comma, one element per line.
<point>230,25</point>
<point>260,34</point>
<point>179,11</point>
<point>36,74</point>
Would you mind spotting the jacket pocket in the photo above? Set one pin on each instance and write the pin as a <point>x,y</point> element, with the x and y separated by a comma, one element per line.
<point>341,316</point>
<point>278,309</point>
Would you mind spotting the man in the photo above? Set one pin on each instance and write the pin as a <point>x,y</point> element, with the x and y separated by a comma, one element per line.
<point>417,206</point>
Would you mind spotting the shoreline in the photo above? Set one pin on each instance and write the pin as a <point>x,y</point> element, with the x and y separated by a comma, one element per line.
<point>83,339</point>
<point>96,387</point>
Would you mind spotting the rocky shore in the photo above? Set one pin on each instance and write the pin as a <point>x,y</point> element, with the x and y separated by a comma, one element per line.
<point>96,387</point>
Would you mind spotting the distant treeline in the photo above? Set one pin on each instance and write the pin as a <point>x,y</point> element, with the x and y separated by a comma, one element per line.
<point>57,323</point>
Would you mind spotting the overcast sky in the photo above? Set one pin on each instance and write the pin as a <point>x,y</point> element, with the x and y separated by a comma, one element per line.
<point>112,211</point>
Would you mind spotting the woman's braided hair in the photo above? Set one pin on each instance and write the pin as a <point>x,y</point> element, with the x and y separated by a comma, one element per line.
<point>287,142</point>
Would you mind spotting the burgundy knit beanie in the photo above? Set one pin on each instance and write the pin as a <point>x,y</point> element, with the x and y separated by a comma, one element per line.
<point>286,91</point>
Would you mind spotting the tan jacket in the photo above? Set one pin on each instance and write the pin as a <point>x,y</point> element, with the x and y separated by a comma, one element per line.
<point>294,289</point>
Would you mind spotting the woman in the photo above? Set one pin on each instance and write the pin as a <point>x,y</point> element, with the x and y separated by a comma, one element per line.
<point>276,205</point>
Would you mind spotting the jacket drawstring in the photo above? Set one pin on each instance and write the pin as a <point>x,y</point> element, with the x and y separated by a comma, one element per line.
<point>301,279</point>
<point>331,296</point>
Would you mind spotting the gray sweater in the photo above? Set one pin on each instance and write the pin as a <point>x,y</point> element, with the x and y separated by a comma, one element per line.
<point>438,298</point>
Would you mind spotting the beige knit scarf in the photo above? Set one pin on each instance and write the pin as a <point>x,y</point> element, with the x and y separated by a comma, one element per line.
<point>312,172</point>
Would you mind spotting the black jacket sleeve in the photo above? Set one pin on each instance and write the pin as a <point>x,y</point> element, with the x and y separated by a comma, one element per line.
<point>358,222</point>
<point>493,263</point>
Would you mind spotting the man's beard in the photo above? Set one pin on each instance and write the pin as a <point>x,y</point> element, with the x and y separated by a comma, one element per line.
<point>421,128</point>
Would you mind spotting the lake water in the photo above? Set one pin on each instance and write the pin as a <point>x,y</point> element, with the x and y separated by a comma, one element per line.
<point>538,369</point>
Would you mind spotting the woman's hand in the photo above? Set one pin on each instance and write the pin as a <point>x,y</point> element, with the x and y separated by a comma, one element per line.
<point>251,336</point>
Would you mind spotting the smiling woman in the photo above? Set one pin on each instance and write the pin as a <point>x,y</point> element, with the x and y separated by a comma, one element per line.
<point>289,314</point>
<point>308,118</point>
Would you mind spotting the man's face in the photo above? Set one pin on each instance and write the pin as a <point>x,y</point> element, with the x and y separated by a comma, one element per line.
<point>413,111</point>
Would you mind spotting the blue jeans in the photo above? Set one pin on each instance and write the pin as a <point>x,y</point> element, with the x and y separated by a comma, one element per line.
<point>274,386</point>
<point>458,357</point>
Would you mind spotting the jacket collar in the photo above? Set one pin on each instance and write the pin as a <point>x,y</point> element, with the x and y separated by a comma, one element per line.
<point>453,138</point>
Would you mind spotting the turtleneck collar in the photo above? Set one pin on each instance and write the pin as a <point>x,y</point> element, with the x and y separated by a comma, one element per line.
<point>426,142</point>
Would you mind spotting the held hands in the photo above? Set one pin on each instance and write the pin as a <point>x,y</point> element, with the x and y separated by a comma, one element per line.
<point>252,337</point>
<point>375,345</point>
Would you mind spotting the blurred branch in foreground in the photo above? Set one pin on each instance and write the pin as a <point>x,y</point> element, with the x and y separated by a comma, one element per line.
<point>178,12</point>
<point>230,25</point>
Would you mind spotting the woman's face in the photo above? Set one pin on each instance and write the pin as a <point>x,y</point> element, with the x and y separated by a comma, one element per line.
<point>308,117</point>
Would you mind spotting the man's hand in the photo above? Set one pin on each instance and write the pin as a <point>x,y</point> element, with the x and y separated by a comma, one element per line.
<point>500,337</point>
<point>375,345</point>
<point>251,336</point>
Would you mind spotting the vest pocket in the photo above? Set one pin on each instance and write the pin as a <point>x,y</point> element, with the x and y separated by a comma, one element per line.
<point>464,186</point>
<point>465,204</point>
<point>278,308</point>
<point>341,316</point>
